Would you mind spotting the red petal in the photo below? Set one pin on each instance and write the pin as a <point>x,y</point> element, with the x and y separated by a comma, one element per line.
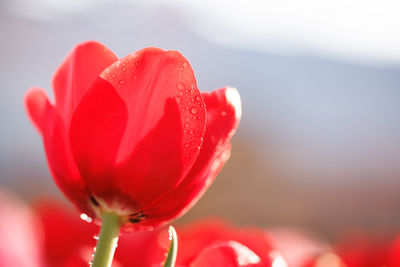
<point>230,254</point>
<point>76,75</point>
<point>145,80</point>
<point>97,127</point>
<point>64,232</point>
<point>59,157</point>
<point>155,165</point>
<point>204,233</point>
<point>164,127</point>
<point>146,248</point>
<point>223,116</point>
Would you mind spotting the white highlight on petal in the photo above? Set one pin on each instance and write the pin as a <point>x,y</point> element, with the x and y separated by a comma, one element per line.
<point>86,218</point>
<point>244,255</point>
<point>233,97</point>
<point>277,259</point>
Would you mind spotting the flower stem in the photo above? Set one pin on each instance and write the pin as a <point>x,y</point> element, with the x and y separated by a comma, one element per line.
<point>108,240</point>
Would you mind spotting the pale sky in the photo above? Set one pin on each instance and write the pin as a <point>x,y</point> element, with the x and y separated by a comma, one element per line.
<point>364,31</point>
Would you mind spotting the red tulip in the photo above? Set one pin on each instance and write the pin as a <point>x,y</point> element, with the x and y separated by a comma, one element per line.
<point>133,136</point>
<point>69,242</point>
<point>65,234</point>
<point>366,250</point>
<point>299,248</point>
<point>217,243</point>
<point>20,233</point>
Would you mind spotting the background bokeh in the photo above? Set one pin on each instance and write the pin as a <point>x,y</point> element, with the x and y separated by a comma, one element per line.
<point>319,142</point>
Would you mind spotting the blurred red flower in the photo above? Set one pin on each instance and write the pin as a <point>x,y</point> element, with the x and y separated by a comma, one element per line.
<point>69,242</point>
<point>217,243</point>
<point>133,135</point>
<point>366,250</point>
<point>20,233</point>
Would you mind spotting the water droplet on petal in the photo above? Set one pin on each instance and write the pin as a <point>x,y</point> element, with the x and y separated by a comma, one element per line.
<point>178,99</point>
<point>180,86</point>
<point>185,64</point>
<point>194,110</point>
<point>223,113</point>
<point>86,218</point>
<point>122,82</point>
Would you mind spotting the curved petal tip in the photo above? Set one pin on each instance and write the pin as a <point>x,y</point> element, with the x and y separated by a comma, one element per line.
<point>36,102</point>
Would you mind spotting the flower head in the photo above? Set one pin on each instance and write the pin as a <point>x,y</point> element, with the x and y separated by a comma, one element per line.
<point>134,135</point>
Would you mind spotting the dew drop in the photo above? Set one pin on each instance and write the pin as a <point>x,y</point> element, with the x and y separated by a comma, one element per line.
<point>186,125</point>
<point>223,113</point>
<point>185,64</point>
<point>180,86</point>
<point>191,132</point>
<point>192,91</point>
<point>198,98</point>
<point>178,99</point>
<point>122,82</point>
<point>123,69</point>
<point>86,218</point>
<point>194,110</point>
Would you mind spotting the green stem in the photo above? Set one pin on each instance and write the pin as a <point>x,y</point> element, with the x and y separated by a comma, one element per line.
<point>108,240</point>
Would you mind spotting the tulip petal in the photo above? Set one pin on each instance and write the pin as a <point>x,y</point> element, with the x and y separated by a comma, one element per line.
<point>97,127</point>
<point>59,156</point>
<point>204,233</point>
<point>230,254</point>
<point>223,116</point>
<point>76,75</point>
<point>64,232</point>
<point>155,165</point>
<point>145,80</point>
